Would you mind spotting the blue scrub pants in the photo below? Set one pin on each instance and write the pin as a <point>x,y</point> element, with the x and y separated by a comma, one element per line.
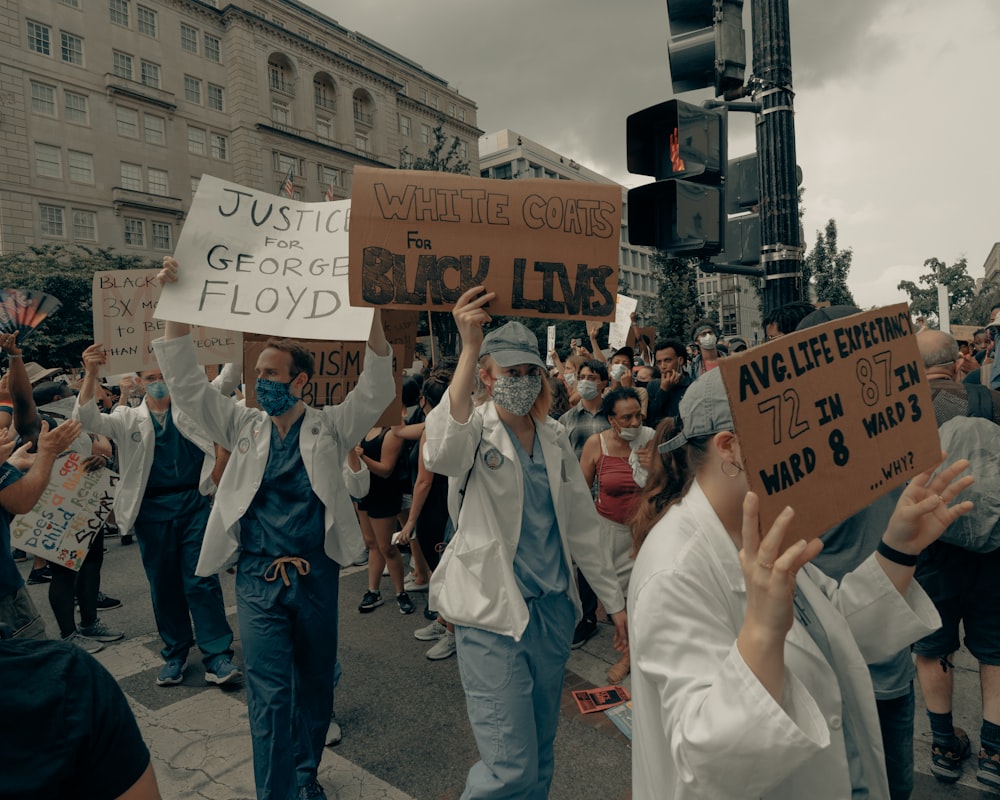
<point>170,551</point>
<point>289,636</point>
<point>513,692</point>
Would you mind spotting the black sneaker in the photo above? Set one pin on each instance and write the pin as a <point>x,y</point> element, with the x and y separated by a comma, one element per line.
<point>989,768</point>
<point>19,555</point>
<point>946,759</point>
<point>127,538</point>
<point>37,576</point>
<point>105,603</point>
<point>370,601</point>
<point>584,632</point>
<point>405,603</point>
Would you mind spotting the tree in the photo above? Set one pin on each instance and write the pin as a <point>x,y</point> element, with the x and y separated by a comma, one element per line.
<point>678,307</point>
<point>977,310</point>
<point>828,266</point>
<point>66,273</point>
<point>924,299</point>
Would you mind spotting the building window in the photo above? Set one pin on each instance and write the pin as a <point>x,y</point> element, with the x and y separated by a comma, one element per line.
<point>463,150</point>
<point>43,99</point>
<point>154,129</point>
<point>404,125</point>
<point>135,232</point>
<point>76,107</point>
<point>146,21</point>
<point>161,236</point>
<point>150,74</point>
<point>131,177</point>
<point>156,180</point>
<point>71,3</point>
<point>213,48</point>
<point>195,182</point>
<point>81,167</point>
<point>425,134</point>
<point>39,38</point>
<point>48,161</point>
<point>197,141</point>
<point>406,161</point>
<point>461,114</point>
<point>503,172</point>
<point>128,122</point>
<point>328,176</point>
<point>51,219</point>
<point>361,142</point>
<point>121,65</point>
<point>324,130</point>
<point>280,114</point>
<point>216,97</point>
<point>451,109</point>
<point>84,225</point>
<point>277,76</point>
<point>189,38</point>
<point>72,48</point>
<point>119,12</point>
<point>192,89</point>
<point>220,147</point>
<point>282,163</point>
<point>434,101</point>
<point>324,95</point>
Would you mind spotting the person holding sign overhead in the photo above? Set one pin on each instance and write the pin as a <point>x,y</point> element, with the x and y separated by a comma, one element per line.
<point>283,513</point>
<point>754,684</point>
<point>505,580</point>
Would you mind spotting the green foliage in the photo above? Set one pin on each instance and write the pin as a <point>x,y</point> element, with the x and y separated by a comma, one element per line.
<point>827,267</point>
<point>67,273</point>
<point>442,156</point>
<point>924,299</point>
<point>678,308</point>
<point>977,310</point>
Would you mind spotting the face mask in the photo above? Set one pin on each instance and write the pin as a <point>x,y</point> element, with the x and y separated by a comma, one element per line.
<point>628,434</point>
<point>617,372</point>
<point>587,389</point>
<point>642,384</point>
<point>517,394</point>
<point>708,341</point>
<point>570,378</point>
<point>157,389</point>
<point>274,397</point>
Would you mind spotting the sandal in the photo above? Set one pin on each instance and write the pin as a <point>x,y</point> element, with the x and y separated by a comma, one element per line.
<point>620,671</point>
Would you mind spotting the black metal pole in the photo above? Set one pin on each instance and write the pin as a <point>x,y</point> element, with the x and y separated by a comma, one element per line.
<point>780,234</point>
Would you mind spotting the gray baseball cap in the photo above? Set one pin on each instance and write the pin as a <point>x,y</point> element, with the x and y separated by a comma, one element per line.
<point>510,345</point>
<point>704,411</point>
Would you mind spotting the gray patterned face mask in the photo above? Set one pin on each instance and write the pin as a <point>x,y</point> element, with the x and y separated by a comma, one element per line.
<point>516,394</point>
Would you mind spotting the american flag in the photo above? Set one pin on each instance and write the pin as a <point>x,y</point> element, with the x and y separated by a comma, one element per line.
<point>287,187</point>
<point>328,194</point>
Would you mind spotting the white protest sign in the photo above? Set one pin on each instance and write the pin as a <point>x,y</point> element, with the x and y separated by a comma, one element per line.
<point>261,263</point>
<point>68,515</point>
<point>550,344</point>
<point>618,330</point>
<point>124,304</point>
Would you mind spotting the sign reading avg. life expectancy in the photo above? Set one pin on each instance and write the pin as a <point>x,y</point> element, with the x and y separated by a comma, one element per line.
<point>832,417</point>
<point>68,515</point>
<point>260,263</point>
<point>547,248</point>
<point>124,304</point>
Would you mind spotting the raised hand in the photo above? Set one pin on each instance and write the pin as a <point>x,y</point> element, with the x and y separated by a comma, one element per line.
<point>168,272</point>
<point>470,315</point>
<point>94,358</point>
<point>55,441</point>
<point>923,511</point>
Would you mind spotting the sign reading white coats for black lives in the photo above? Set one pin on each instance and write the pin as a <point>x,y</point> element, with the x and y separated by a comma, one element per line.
<point>125,324</point>
<point>261,263</point>
<point>419,239</point>
<point>831,418</point>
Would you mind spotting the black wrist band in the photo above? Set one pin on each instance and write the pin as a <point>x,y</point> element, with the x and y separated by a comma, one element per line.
<point>895,556</point>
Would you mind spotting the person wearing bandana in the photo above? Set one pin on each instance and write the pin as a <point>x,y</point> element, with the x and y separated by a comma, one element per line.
<point>506,580</point>
<point>706,336</point>
<point>284,516</point>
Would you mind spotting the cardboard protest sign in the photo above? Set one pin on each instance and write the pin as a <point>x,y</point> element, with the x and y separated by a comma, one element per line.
<point>619,330</point>
<point>547,248</point>
<point>124,305</point>
<point>259,263</point>
<point>833,417</point>
<point>68,515</point>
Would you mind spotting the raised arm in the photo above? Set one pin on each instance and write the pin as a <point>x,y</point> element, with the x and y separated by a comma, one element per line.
<point>168,274</point>
<point>25,415</point>
<point>470,315</point>
<point>20,497</point>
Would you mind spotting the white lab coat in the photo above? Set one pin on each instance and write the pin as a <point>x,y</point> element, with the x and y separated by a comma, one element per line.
<point>703,725</point>
<point>325,438</point>
<point>474,585</point>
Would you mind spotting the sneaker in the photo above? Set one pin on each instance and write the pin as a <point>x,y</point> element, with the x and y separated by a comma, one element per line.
<point>19,555</point>
<point>312,791</point>
<point>111,531</point>
<point>989,768</point>
<point>171,674</point>
<point>222,670</point>
<point>445,647</point>
<point>37,576</point>
<point>411,585</point>
<point>88,645</point>
<point>371,601</point>
<point>405,603</point>
<point>431,614</point>
<point>100,632</point>
<point>334,734</point>
<point>105,603</point>
<point>584,632</point>
<point>430,633</point>
<point>127,538</point>
<point>946,759</point>
<point>361,560</point>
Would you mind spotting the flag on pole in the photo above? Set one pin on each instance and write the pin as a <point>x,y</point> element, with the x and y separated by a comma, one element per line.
<point>287,187</point>
<point>328,194</point>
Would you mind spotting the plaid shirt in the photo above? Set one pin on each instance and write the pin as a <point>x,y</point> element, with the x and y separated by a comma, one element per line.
<point>580,425</point>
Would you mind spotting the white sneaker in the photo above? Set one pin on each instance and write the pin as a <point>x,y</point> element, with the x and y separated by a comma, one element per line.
<point>89,645</point>
<point>411,585</point>
<point>445,647</point>
<point>333,733</point>
<point>430,633</point>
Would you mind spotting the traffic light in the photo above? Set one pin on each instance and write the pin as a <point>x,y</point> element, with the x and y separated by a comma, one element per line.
<point>684,147</point>
<point>707,44</point>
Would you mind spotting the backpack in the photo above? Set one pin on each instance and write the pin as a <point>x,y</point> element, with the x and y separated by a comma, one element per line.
<point>977,439</point>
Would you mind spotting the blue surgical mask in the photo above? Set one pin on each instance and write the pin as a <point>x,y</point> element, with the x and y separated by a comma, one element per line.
<point>157,389</point>
<point>274,397</point>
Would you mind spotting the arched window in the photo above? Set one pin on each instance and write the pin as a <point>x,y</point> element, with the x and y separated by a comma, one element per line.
<point>280,73</point>
<point>364,108</point>
<point>324,92</point>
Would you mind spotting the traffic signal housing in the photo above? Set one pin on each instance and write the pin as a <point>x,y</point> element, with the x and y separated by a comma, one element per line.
<point>683,146</point>
<point>707,44</point>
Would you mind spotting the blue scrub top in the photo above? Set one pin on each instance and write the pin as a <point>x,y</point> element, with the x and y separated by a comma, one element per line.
<point>177,461</point>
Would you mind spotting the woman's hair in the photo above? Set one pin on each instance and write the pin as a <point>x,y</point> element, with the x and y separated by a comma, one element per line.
<point>576,362</point>
<point>542,404</point>
<point>615,395</point>
<point>560,397</point>
<point>434,387</point>
<point>670,477</point>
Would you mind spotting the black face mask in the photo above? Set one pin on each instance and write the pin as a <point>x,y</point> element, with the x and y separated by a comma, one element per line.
<point>641,384</point>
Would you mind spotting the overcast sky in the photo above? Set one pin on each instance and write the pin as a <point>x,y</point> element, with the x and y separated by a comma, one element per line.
<point>896,118</point>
